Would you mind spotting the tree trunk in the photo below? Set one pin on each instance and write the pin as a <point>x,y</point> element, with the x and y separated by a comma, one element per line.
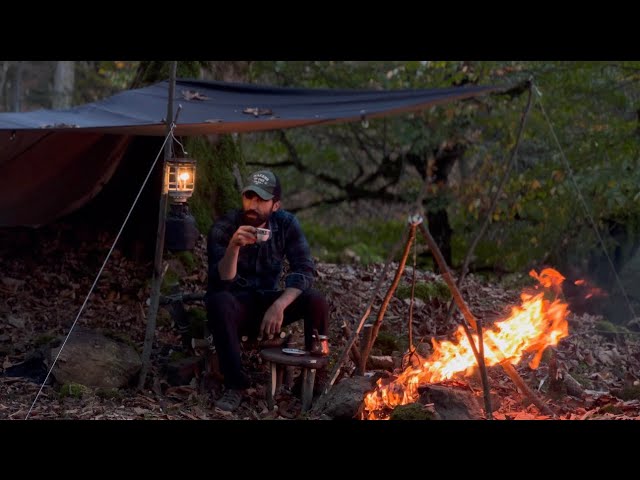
<point>16,103</point>
<point>4,68</point>
<point>63,85</point>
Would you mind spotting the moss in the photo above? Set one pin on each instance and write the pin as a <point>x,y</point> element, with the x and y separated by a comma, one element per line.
<point>120,337</point>
<point>386,343</point>
<point>412,411</point>
<point>426,291</point>
<point>197,318</point>
<point>73,390</point>
<point>109,393</point>
<point>187,259</point>
<point>169,282</point>
<point>176,356</point>
<point>610,408</point>
<point>609,330</point>
<point>44,339</point>
<point>216,188</point>
<point>630,393</point>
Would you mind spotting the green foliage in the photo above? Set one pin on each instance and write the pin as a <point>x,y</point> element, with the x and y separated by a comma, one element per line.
<point>155,71</point>
<point>216,191</point>
<point>609,330</point>
<point>197,318</point>
<point>169,281</point>
<point>425,291</point>
<point>539,217</point>
<point>630,393</point>
<point>73,390</point>
<point>387,343</point>
<point>97,80</point>
<point>371,241</point>
<point>44,339</point>
<point>187,259</point>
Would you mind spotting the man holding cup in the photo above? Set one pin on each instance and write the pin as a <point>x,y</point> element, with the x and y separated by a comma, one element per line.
<point>246,250</point>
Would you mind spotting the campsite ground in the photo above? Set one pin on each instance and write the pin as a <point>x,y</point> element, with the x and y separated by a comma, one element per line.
<point>45,277</point>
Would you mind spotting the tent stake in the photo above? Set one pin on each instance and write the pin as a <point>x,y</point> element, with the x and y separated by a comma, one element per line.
<point>156,280</point>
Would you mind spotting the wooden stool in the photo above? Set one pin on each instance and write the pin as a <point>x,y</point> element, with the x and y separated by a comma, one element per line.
<point>278,360</point>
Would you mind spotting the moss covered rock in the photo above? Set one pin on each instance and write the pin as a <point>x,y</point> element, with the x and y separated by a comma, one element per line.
<point>413,411</point>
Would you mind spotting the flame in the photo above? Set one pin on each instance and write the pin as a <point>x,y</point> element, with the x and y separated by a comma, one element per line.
<point>592,291</point>
<point>530,328</point>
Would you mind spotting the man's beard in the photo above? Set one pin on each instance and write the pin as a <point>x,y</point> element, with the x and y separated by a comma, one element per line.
<point>256,221</point>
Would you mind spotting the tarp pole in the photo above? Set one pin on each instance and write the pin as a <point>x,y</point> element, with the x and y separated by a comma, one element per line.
<point>156,280</point>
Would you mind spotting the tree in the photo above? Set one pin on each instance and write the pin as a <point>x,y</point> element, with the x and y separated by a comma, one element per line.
<point>63,85</point>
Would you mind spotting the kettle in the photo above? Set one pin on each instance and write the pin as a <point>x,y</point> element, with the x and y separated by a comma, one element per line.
<point>319,344</point>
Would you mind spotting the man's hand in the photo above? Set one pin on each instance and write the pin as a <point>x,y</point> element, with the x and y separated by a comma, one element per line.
<point>245,235</point>
<point>272,320</point>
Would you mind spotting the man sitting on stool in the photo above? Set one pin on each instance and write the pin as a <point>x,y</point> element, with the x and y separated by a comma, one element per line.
<point>244,274</point>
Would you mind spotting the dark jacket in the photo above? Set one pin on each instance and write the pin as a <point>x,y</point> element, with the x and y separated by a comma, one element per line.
<point>260,265</point>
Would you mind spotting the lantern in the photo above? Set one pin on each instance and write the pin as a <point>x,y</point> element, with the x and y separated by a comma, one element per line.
<point>181,232</point>
<point>181,179</point>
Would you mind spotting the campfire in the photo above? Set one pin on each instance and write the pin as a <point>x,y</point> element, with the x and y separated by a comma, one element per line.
<point>539,322</point>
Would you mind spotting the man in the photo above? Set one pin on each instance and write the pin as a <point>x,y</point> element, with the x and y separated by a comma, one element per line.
<point>244,295</point>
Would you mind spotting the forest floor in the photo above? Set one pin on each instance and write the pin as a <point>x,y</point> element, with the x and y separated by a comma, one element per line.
<point>44,282</point>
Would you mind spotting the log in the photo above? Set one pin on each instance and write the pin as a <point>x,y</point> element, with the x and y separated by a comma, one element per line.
<point>380,362</point>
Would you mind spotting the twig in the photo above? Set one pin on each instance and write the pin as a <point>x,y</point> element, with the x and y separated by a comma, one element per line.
<point>356,332</point>
<point>354,352</point>
<point>387,298</point>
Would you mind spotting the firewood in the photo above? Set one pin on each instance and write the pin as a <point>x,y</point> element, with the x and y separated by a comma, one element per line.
<point>380,362</point>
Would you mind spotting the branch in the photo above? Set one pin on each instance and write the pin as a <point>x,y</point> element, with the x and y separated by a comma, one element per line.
<point>284,163</point>
<point>356,332</point>
<point>297,162</point>
<point>387,299</point>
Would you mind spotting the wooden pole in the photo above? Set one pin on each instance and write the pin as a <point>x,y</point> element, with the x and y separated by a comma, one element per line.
<point>462,306</point>
<point>364,354</point>
<point>156,281</point>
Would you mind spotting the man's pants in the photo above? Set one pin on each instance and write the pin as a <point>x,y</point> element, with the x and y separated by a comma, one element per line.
<point>231,314</point>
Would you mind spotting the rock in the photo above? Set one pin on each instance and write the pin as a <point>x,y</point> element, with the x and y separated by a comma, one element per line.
<point>414,411</point>
<point>180,372</point>
<point>89,358</point>
<point>16,322</point>
<point>451,403</point>
<point>345,401</point>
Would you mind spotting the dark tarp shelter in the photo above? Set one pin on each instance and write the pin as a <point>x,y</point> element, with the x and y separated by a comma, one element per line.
<point>54,161</point>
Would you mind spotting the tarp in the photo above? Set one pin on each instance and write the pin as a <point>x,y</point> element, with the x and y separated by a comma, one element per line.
<point>54,161</point>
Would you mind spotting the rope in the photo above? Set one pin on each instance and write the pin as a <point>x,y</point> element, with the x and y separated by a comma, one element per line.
<point>338,365</point>
<point>101,269</point>
<point>411,352</point>
<point>584,205</point>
